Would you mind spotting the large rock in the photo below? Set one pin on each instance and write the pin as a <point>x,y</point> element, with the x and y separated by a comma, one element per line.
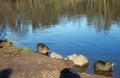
<point>55,55</point>
<point>78,60</point>
<point>31,65</point>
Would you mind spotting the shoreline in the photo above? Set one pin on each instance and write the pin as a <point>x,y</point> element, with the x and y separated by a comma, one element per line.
<point>24,63</point>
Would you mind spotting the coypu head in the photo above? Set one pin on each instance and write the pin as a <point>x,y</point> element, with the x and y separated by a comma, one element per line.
<point>103,66</point>
<point>42,49</point>
<point>110,65</point>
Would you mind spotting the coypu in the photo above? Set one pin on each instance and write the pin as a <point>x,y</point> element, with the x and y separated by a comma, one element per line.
<point>103,66</point>
<point>42,49</point>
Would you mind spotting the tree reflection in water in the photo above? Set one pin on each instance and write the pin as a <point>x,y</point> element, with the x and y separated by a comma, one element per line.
<point>41,13</point>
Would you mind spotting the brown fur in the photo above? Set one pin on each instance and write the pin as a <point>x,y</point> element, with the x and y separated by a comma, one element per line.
<point>103,66</point>
<point>42,49</point>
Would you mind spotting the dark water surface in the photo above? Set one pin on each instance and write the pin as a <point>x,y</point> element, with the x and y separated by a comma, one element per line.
<point>88,27</point>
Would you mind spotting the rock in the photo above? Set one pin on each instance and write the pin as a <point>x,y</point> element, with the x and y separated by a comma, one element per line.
<point>42,49</point>
<point>80,69</point>
<point>70,56</point>
<point>78,60</point>
<point>31,65</point>
<point>55,55</point>
<point>103,66</point>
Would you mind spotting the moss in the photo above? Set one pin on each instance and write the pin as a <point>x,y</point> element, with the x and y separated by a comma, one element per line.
<point>9,43</point>
<point>6,42</point>
<point>24,49</point>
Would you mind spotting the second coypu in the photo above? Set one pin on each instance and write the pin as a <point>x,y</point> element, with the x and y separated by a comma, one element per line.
<point>103,66</point>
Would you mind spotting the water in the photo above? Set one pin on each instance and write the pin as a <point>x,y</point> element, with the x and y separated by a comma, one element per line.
<point>91,28</point>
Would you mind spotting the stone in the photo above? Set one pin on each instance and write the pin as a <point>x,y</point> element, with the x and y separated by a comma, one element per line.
<point>103,66</point>
<point>55,55</point>
<point>42,49</point>
<point>78,60</point>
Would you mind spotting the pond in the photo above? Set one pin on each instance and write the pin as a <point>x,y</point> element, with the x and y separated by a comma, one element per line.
<point>87,27</point>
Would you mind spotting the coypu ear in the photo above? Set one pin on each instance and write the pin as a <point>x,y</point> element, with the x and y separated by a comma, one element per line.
<point>108,63</point>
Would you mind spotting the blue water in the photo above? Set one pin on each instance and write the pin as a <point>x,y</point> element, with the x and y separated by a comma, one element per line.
<point>73,35</point>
